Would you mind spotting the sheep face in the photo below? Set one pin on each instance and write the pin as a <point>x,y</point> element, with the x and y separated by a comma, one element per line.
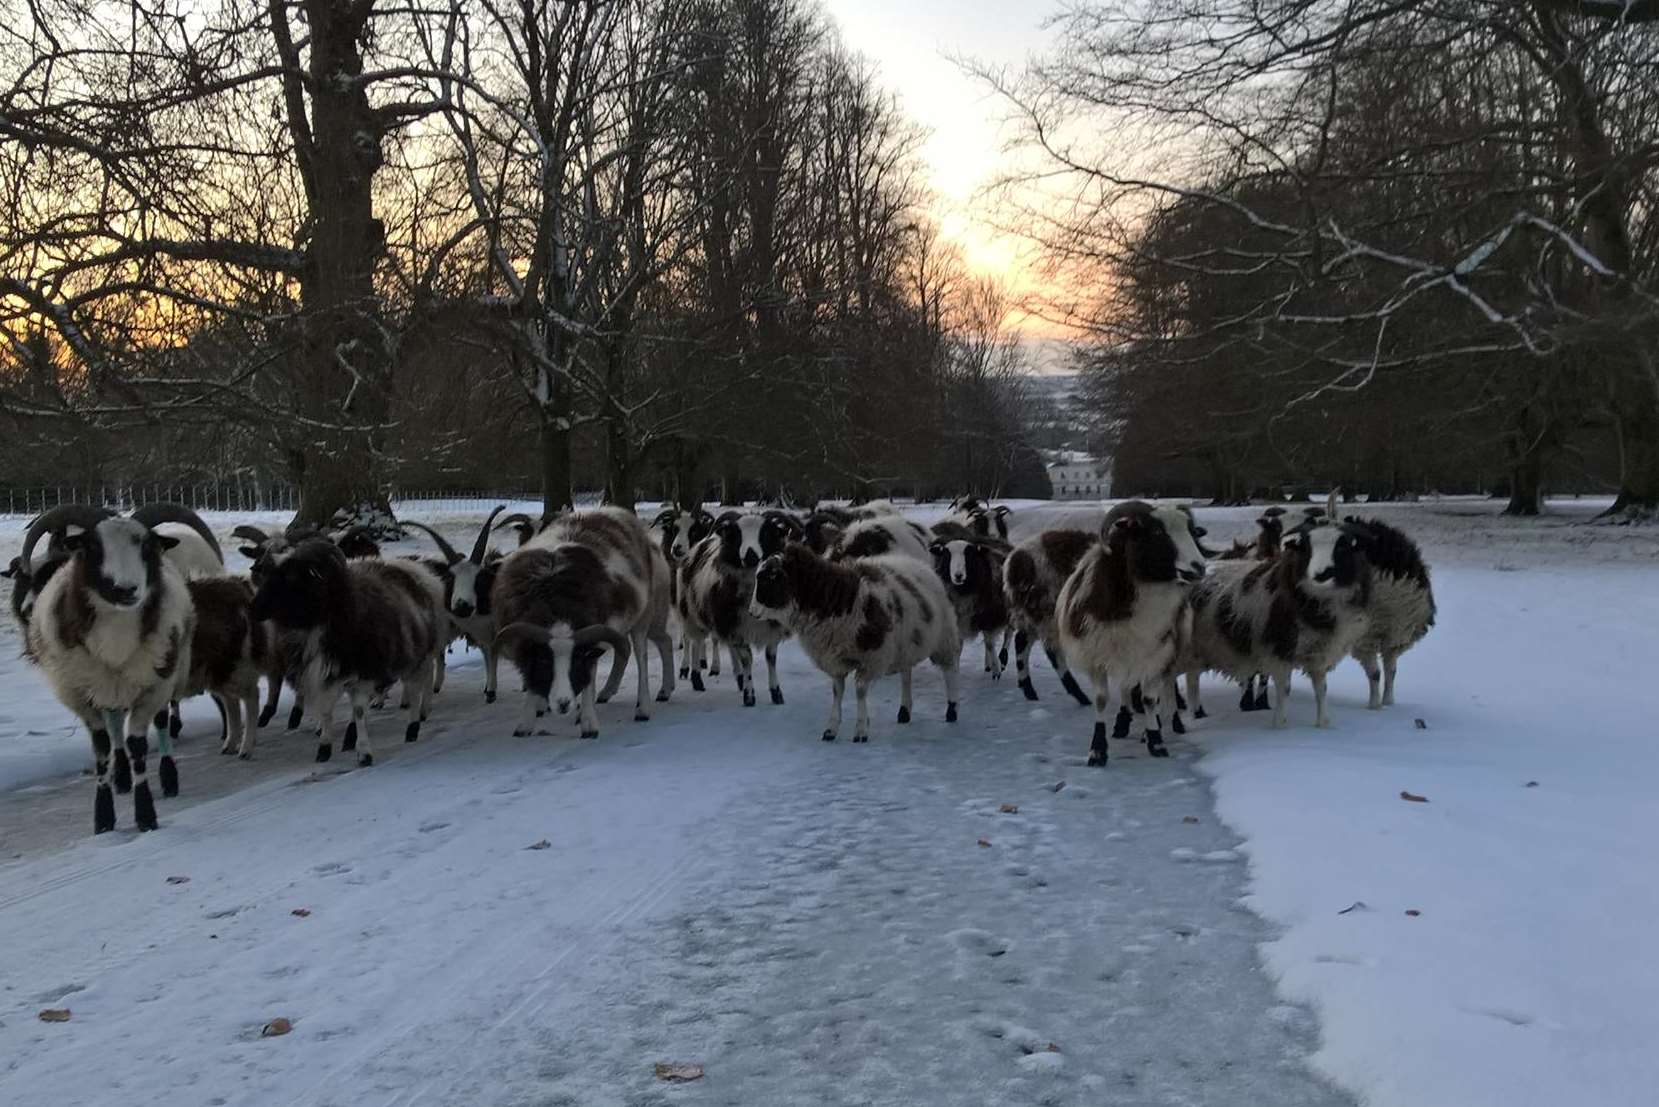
<point>469,588</point>
<point>1161,542</point>
<point>1328,558</point>
<point>575,663</point>
<point>960,564</point>
<point>295,586</point>
<point>682,530</point>
<point>122,560</point>
<point>748,539</point>
<point>774,595</point>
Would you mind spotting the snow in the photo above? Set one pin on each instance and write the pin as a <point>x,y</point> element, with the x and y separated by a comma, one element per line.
<point>819,923</point>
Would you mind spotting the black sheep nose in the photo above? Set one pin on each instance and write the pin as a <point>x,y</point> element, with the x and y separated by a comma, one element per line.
<point>750,559</point>
<point>463,609</point>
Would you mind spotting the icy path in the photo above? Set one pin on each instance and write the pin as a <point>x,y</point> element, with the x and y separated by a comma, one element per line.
<point>813,923</point>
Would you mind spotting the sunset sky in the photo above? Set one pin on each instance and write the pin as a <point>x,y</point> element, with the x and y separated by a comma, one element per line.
<point>912,43</point>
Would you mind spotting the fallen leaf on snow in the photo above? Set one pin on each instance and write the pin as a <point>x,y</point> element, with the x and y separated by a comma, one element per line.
<point>543,844</point>
<point>984,843</point>
<point>55,1014</point>
<point>1413,797</point>
<point>1421,725</point>
<point>1357,905</point>
<point>679,1072</point>
<point>301,912</point>
<point>1189,818</point>
<point>178,880</point>
<point>276,1028</point>
<point>1058,784</point>
<point>1413,912</point>
<point>1010,809</point>
<point>1532,784</point>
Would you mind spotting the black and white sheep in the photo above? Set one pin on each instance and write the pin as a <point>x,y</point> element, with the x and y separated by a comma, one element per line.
<point>971,572</point>
<point>111,631</point>
<point>1306,609</point>
<point>229,653</point>
<point>716,583</point>
<point>590,579</point>
<point>1402,604</point>
<point>867,619</point>
<point>468,582</point>
<point>880,536</point>
<point>362,625</point>
<point>825,522</point>
<point>676,531</point>
<point>1270,530</point>
<point>1121,612</point>
<point>1032,576</point>
<point>985,520</point>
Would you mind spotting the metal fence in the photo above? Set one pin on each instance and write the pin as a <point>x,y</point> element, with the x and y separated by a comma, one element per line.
<point>252,495</point>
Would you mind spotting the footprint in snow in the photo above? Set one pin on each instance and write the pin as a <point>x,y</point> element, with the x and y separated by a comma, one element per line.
<point>973,940</point>
<point>331,868</point>
<point>1502,1014</point>
<point>428,828</point>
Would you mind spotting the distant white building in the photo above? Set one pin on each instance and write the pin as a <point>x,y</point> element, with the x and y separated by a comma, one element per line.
<point>1078,476</point>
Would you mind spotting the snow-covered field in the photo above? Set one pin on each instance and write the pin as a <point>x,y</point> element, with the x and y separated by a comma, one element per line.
<point>830,924</point>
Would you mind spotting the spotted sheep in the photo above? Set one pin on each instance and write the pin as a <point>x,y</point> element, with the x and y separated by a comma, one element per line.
<point>675,532</point>
<point>880,536</point>
<point>1305,609</point>
<point>1402,604</point>
<point>111,630</point>
<point>1270,527</point>
<point>866,618</point>
<point>468,582</point>
<point>716,583</point>
<point>591,579</point>
<point>360,625</point>
<point>971,572</point>
<point>1032,577</point>
<point>825,522</point>
<point>985,520</point>
<point>520,524</point>
<point>1122,612</point>
<point>229,653</point>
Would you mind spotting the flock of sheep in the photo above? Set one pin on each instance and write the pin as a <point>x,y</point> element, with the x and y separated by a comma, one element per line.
<point>127,615</point>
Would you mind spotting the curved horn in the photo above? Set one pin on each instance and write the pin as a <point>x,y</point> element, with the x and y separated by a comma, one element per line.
<point>525,525</point>
<point>480,547</point>
<point>519,630</point>
<point>599,632</point>
<point>64,515</point>
<point>151,514</point>
<point>451,554</point>
<point>252,534</point>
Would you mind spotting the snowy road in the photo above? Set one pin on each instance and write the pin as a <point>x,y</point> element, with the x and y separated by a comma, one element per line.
<point>814,923</point>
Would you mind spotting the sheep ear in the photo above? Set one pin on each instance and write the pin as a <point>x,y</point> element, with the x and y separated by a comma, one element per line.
<point>10,572</point>
<point>936,548</point>
<point>165,541</point>
<point>249,552</point>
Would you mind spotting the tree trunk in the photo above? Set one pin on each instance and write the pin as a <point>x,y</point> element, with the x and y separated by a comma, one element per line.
<point>619,466</point>
<point>1526,485</point>
<point>554,441</point>
<point>1638,429</point>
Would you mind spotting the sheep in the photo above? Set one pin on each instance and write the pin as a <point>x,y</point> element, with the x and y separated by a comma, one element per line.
<point>468,582</point>
<point>985,520</point>
<point>879,536</point>
<point>197,552</point>
<point>866,618</point>
<point>229,652</point>
<point>590,579</point>
<point>1305,609</point>
<point>716,582</point>
<point>521,524</point>
<point>111,630</point>
<point>1122,610</point>
<point>675,532</point>
<point>1402,604</point>
<point>972,575</point>
<point>1032,576</point>
<point>365,624</point>
<point>826,521</point>
<point>1270,533</point>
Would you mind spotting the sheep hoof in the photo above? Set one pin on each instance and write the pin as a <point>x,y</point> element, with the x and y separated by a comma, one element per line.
<point>1262,703</point>
<point>412,732</point>
<point>123,772</point>
<point>521,732</point>
<point>1180,702</point>
<point>861,738</point>
<point>226,749</point>
<point>1097,745</point>
<point>1201,714</point>
<point>1120,727</point>
<point>294,718</point>
<point>748,697</point>
<point>244,757</point>
<point>175,724</point>
<point>324,751</point>
<point>950,712</point>
<point>267,715</point>
<point>349,742</point>
<point>662,696</point>
<point>1002,657</point>
<point>777,695</point>
<point>489,695</point>
<point>697,681</point>
<point>1069,682</point>
<point>1155,744</point>
<point>1175,722</point>
<point>642,716</point>
<point>169,772</point>
<point>144,807</point>
<point>365,760</point>
<point>103,810</point>
<point>590,734</point>
<point>1028,688</point>
<point>904,714</point>
<point>829,735</point>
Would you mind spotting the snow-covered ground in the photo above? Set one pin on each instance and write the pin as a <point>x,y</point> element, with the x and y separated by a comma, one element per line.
<point>821,923</point>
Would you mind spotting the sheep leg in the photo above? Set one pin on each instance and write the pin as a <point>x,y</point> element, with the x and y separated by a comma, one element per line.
<point>1281,697</point>
<point>166,768</point>
<point>587,713</point>
<point>421,706</point>
<point>232,708</point>
<point>613,679</point>
<point>325,701</point>
<point>360,719</point>
<point>296,714</point>
<point>1132,703</point>
<point>838,688</point>
<point>272,694</point>
<point>1022,663</point>
<point>1002,653</point>
<point>697,663</point>
<point>686,658</point>
<point>1102,699</point>
<point>1152,700</point>
<point>492,662</point>
<point>990,654</point>
<point>743,666</point>
<point>906,678</point>
<point>1391,662</point>
<point>439,671</point>
<point>250,724</point>
<point>1172,694</point>
<point>949,665</point>
<point>103,799</point>
<point>175,719</point>
<point>536,664</point>
<point>772,673</point>
<point>1067,680</point>
<point>1193,697</point>
<point>1320,716</point>
<point>711,657</point>
<point>138,750</point>
<point>642,693</point>
<point>122,766</point>
<point>665,650</point>
<point>1373,676</point>
<point>861,725</point>
<point>1247,701</point>
<point>1261,691</point>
